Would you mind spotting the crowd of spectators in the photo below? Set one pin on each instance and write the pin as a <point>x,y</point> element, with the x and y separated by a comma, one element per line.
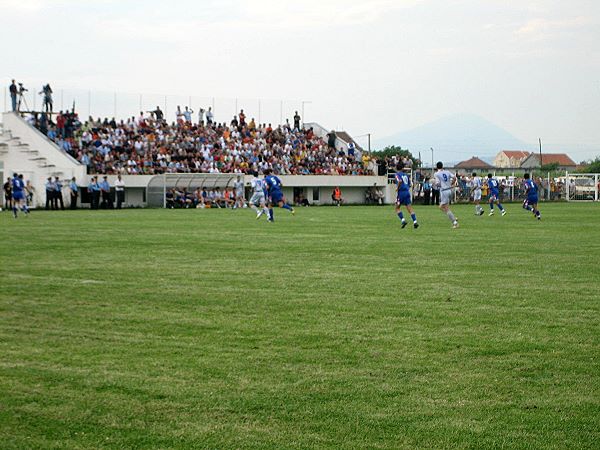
<point>147,144</point>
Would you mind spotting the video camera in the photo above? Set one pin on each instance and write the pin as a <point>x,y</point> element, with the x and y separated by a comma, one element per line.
<point>22,88</point>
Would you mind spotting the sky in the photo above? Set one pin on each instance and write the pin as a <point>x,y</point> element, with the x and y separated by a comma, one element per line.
<point>368,66</point>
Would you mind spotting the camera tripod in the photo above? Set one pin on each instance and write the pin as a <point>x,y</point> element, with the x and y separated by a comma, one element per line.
<point>21,99</point>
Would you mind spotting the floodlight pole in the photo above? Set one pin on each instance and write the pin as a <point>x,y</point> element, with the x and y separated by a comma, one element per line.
<point>541,164</point>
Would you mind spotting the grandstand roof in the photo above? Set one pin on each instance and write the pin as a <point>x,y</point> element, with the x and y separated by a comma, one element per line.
<point>346,137</point>
<point>473,163</point>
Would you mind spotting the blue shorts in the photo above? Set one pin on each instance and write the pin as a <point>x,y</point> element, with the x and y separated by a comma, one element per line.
<point>403,199</point>
<point>532,200</point>
<point>493,197</point>
<point>18,196</point>
<point>276,197</point>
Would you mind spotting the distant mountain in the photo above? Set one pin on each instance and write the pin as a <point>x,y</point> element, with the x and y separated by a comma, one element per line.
<point>455,138</point>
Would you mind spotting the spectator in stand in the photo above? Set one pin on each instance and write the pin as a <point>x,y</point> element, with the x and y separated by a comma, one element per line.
<point>201,112</point>
<point>209,116</point>
<point>58,198</point>
<point>297,119</point>
<point>47,102</point>
<point>242,118</point>
<point>331,137</point>
<point>74,189</point>
<point>13,97</point>
<point>187,115</point>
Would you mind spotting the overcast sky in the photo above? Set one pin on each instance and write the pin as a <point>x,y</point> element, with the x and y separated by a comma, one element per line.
<point>379,66</point>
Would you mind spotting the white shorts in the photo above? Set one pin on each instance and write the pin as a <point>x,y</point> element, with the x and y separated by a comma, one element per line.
<point>445,197</point>
<point>477,194</point>
<point>258,198</point>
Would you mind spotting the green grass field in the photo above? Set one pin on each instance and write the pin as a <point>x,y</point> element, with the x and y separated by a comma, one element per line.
<point>330,329</point>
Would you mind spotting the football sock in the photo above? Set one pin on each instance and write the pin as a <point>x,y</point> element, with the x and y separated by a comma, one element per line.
<point>401,216</point>
<point>500,207</point>
<point>14,208</point>
<point>286,206</point>
<point>413,217</point>
<point>450,215</point>
<point>271,213</point>
<point>492,206</point>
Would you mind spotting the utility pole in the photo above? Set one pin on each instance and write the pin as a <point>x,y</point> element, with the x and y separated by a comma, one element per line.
<point>541,164</point>
<point>369,142</point>
<point>431,160</point>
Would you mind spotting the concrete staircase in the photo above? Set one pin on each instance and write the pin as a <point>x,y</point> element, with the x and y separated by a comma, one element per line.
<point>23,149</point>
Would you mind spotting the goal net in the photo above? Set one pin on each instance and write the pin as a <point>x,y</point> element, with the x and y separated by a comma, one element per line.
<point>582,186</point>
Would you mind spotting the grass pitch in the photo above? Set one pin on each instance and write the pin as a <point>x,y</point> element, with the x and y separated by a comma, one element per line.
<point>333,328</point>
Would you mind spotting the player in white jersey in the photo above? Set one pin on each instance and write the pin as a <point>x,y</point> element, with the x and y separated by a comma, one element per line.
<point>476,191</point>
<point>258,199</point>
<point>446,182</point>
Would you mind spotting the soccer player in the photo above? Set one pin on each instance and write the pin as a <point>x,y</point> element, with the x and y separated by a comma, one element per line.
<point>18,195</point>
<point>530,203</point>
<point>403,196</point>
<point>257,201</point>
<point>476,190</point>
<point>273,184</point>
<point>494,196</point>
<point>445,181</point>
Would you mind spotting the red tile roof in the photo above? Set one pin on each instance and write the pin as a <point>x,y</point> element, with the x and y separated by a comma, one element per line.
<point>473,163</point>
<point>561,158</point>
<point>516,153</point>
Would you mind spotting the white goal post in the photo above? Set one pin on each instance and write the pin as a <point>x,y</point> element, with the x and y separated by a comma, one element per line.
<point>582,187</point>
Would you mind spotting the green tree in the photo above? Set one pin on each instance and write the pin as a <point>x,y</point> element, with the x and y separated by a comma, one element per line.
<point>592,167</point>
<point>552,167</point>
<point>392,150</point>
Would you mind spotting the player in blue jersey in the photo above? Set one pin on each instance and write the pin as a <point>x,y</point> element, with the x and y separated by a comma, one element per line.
<point>403,197</point>
<point>494,196</point>
<point>275,195</point>
<point>18,195</point>
<point>530,203</point>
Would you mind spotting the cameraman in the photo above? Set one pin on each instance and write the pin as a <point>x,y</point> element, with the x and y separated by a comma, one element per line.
<point>47,93</point>
<point>13,95</point>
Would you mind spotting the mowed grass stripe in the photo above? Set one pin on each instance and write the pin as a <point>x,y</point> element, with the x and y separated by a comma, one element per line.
<point>333,328</point>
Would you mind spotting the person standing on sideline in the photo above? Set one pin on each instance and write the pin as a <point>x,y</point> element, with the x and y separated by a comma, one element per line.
<point>105,190</point>
<point>445,182</point>
<point>58,198</point>
<point>238,186</point>
<point>476,190</point>
<point>94,191</point>
<point>336,196</point>
<point>50,193</point>
<point>426,191</point>
<point>74,193</point>
<point>403,197</point>
<point>494,197</point>
<point>530,203</point>
<point>29,191</point>
<point>8,200</point>
<point>13,95</point>
<point>120,191</point>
